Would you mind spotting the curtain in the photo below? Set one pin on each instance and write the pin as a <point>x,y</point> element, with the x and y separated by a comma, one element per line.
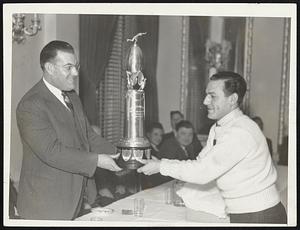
<point>149,45</point>
<point>111,100</point>
<point>198,74</point>
<point>95,36</point>
<point>235,33</point>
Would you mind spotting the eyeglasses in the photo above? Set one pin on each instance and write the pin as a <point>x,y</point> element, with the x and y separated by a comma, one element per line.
<point>69,67</point>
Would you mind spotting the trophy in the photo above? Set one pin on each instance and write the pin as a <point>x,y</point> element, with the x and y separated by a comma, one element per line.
<point>134,146</point>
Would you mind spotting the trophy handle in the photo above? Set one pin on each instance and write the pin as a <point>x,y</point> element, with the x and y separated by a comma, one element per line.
<point>135,38</point>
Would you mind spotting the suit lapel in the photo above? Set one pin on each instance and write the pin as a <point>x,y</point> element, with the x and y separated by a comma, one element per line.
<point>45,92</point>
<point>79,116</point>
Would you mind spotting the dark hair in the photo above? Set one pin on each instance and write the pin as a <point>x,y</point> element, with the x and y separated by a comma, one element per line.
<point>176,112</point>
<point>258,121</point>
<point>233,83</point>
<point>154,125</point>
<point>50,51</point>
<point>185,124</point>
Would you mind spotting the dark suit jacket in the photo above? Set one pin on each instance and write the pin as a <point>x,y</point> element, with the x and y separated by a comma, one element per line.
<point>168,135</point>
<point>171,149</point>
<point>57,157</point>
<point>169,139</point>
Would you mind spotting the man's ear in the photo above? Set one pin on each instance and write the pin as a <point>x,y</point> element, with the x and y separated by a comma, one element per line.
<point>49,67</point>
<point>234,98</point>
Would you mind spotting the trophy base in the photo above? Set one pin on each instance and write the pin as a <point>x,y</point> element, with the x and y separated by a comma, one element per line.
<point>131,164</point>
<point>129,156</point>
<point>137,143</point>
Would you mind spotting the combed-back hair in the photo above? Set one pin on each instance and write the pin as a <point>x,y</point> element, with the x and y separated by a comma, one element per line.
<point>154,125</point>
<point>233,83</point>
<point>185,124</point>
<point>176,112</point>
<point>49,51</point>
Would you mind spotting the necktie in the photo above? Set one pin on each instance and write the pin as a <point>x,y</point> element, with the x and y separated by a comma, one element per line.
<point>67,100</point>
<point>185,151</point>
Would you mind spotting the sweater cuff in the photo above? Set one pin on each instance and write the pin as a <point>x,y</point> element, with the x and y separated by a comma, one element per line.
<point>169,167</point>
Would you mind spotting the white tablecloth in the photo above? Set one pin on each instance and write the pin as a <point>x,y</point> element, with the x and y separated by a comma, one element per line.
<point>156,211</point>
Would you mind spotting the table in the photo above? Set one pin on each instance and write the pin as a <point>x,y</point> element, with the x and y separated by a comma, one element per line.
<point>156,211</point>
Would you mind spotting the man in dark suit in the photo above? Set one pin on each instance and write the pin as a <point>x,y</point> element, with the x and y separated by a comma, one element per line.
<point>175,118</point>
<point>177,147</point>
<point>60,149</point>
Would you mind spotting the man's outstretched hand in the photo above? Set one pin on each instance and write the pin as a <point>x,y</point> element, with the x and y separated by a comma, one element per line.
<point>105,161</point>
<point>150,167</point>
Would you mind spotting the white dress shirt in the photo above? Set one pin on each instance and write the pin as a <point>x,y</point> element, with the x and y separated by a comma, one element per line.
<point>57,92</point>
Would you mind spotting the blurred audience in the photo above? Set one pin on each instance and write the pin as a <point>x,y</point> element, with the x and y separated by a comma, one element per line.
<point>154,134</point>
<point>260,124</point>
<point>175,118</point>
<point>180,146</point>
<point>283,151</point>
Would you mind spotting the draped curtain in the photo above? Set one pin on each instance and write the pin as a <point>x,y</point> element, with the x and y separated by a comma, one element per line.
<point>96,39</point>
<point>95,36</point>
<point>234,32</point>
<point>198,74</point>
<point>149,46</point>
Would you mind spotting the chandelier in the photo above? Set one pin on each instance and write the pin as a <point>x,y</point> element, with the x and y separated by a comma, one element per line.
<point>20,31</point>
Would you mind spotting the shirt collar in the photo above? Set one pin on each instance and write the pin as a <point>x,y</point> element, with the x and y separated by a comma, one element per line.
<point>53,89</point>
<point>229,117</point>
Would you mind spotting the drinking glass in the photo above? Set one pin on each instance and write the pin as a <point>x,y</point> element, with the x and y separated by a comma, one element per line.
<point>138,208</point>
<point>168,196</point>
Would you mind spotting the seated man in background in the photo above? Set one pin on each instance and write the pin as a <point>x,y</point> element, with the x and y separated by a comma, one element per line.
<point>260,124</point>
<point>177,147</point>
<point>176,117</point>
<point>154,134</point>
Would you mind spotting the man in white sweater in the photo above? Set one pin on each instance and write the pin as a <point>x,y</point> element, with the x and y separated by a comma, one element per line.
<point>236,157</point>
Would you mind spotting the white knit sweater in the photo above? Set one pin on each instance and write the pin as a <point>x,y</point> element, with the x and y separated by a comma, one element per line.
<point>240,163</point>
